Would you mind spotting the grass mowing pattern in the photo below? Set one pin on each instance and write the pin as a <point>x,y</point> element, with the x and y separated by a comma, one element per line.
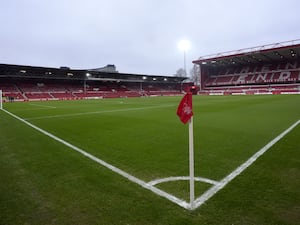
<point>45,182</point>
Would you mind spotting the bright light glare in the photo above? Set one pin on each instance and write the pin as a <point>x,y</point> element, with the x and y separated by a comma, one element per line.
<point>184,45</point>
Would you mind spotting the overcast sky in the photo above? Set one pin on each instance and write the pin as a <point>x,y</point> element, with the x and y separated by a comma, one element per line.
<point>138,36</point>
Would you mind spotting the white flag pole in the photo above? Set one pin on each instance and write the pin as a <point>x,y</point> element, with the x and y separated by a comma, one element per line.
<point>1,106</point>
<point>191,162</point>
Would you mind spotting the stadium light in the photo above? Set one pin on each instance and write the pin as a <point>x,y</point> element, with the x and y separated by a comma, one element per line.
<point>184,45</point>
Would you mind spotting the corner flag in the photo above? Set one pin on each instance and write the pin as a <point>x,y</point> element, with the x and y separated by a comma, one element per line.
<point>185,108</point>
<point>185,113</point>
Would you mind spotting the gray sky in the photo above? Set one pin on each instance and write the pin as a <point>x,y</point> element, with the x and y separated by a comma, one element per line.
<point>138,36</point>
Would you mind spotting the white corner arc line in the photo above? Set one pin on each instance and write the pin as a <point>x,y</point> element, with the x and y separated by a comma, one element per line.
<point>167,179</point>
<point>213,190</point>
<point>134,179</point>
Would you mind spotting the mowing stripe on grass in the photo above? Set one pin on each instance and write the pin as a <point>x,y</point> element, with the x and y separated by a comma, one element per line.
<point>97,112</point>
<point>213,190</point>
<point>43,106</point>
<point>134,179</point>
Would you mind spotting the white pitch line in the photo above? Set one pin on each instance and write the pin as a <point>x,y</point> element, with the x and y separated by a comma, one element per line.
<point>167,179</point>
<point>96,112</point>
<point>134,179</point>
<point>213,190</point>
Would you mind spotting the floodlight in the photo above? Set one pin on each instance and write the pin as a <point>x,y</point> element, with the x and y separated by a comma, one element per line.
<point>184,45</point>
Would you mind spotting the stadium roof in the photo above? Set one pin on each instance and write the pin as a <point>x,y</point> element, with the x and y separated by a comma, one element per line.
<point>283,51</point>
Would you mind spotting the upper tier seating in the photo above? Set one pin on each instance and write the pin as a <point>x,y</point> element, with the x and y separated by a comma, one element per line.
<point>268,73</point>
<point>60,89</point>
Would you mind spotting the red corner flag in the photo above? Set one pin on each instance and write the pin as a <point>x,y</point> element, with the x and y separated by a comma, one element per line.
<point>185,108</point>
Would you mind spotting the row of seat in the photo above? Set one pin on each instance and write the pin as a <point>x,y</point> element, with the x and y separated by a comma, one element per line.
<point>40,91</point>
<point>258,68</point>
<point>253,89</point>
<point>254,78</point>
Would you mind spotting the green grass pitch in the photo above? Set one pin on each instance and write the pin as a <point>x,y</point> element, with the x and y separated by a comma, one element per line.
<point>45,182</point>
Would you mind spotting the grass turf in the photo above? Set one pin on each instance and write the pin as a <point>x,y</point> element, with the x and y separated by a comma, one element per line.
<point>43,182</point>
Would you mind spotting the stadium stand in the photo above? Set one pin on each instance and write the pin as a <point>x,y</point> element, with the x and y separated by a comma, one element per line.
<point>27,83</point>
<point>268,69</point>
<point>264,69</point>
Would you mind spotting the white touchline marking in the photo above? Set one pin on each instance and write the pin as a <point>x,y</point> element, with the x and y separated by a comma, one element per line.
<point>136,180</point>
<point>97,112</point>
<point>213,190</point>
<point>45,106</point>
<point>167,179</point>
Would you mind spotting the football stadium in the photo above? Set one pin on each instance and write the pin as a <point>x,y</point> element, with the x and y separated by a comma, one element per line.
<point>98,146</point>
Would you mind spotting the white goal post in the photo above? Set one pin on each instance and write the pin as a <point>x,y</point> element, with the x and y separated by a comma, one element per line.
<point>1,100</point>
